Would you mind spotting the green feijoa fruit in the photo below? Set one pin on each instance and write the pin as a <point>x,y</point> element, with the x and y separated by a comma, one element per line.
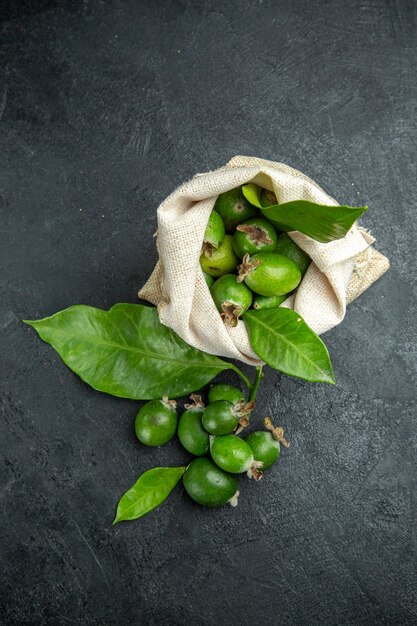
<point>269,274</point>
<point>230,299</point>
<point>264,447</point>
<point>209,280</point>
<point>255,235</point>
<point>222,261</point>
<point>156,422</point>
<point>225,392</point>
<point>263,302</point>
<point>233,455</point>
<point>288,247</point>
<point>214,234</point>
<point>209,485</point>
<point>219,418</point>
<point>234,209</point>
<point>268,198</point>
<point>191,432</point>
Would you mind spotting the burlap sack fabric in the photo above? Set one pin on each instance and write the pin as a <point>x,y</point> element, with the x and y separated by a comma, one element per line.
<point>340,270</point>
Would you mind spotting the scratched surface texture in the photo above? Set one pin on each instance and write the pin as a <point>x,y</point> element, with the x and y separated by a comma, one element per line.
<point>105,107</point>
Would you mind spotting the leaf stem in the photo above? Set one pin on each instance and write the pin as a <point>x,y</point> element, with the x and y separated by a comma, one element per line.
<point>257,382</point>
<point>243,377</point>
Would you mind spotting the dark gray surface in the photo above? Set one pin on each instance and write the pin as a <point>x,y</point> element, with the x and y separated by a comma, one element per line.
<point>105,107</point>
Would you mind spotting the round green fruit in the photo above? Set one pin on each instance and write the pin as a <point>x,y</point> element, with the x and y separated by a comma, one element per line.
<point>208,485</point>
<point>219,418</point>
<point>209,280</point>
<point>255,235</point>
<point>268,198</point>
<point>156,422</point>
<point>225,392</point>
<point>234,209</point>
<point>233,455</point>
<point>269,274</point>
<point>231,298</point>
<point>191,432</point>
<point>264,447</point>
<point>214,234</point>
<point>222,261</point>
<point>263,302</point>
<point>288,247</point>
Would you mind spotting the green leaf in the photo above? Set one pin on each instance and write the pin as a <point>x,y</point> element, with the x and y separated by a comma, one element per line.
<point>318,221</point>
<point>252,194</point>
<point>148,492</point>
<point>127,352</point>
<point>281,338</point>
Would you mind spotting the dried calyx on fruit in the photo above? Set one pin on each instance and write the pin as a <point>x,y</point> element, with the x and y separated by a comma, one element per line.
<point>231,298</point>
<point>269,274</point>
<point>253,236</point>
<point>223,417</point>
<point>214,234</point>
<point>242,410</point>
<point>222,261</point>
<point>248,265</point>
<point>231,313</point>
<point>196,403</point>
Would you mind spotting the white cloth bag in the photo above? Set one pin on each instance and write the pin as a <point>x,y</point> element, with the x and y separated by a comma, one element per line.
<point>339,272</point>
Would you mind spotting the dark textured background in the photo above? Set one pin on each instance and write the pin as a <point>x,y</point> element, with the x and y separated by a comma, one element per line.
<point>105,107</point>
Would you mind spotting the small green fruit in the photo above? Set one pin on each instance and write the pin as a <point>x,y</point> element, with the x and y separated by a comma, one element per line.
<point>191,432</point>
<point>214,234</point>
<point>263,302</point>
<point>268,198</point>
<point>233,455</point>
<point>208,485</point>
<point>288,247</point>
<point>269,274</point>
<point>225,392</point>
<point>231,298</point>
<point>234,209</point>
<point>264,447</point>
<point>219,418</point>
<point>209,280</point>
<point>255,235</point>
<point>222,261</point>
<point>156,422</point>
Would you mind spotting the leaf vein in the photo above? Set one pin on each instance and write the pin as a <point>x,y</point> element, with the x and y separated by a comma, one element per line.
<point>149,354</point>
<point>293,345</point>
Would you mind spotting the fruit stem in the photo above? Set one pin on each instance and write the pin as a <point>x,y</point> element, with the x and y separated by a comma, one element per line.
<point>254,388</point>
<point>244,421</point>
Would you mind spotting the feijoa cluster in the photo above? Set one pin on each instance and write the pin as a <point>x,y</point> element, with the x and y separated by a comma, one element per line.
<point>212,434</point>
<point>245,260</point>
